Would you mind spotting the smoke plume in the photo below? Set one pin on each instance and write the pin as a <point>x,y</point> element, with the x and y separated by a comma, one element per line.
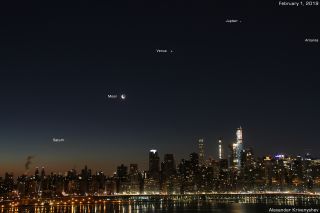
<point>27,164</point>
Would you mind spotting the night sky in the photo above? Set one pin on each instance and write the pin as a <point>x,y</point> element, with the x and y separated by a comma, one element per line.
<point>59,61</point>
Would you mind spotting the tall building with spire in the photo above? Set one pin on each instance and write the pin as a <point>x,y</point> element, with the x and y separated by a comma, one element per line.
<point>201,152</point>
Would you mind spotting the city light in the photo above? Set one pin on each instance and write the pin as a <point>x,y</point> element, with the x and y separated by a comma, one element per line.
<point>243,174</point>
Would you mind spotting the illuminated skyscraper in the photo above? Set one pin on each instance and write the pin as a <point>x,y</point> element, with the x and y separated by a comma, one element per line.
<point>233,155</point>
<point>237,148</point>
<point>239,135</point>
<point>220,149</point>
<point>201,152</point>
<point>154,163</point>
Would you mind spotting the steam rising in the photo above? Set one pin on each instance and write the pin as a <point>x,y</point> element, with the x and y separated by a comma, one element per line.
<point>27,164</point>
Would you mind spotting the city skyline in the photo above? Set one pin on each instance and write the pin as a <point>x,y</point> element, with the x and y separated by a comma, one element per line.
<point>200,149</point>
<point>159,106</point>
<point>239,172</point>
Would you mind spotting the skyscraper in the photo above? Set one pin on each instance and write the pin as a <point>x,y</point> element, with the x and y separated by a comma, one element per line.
<point>43,173</point>
<point>239,135</point>
<point>237,148</point>
<point>220,148</point>
<point>122,171</point>
<point>194,160</point>
<point>168,165</point>
<point>240,145</point>
<point>133,169</point>
<point>201,152</point>
<point>154,163</point>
